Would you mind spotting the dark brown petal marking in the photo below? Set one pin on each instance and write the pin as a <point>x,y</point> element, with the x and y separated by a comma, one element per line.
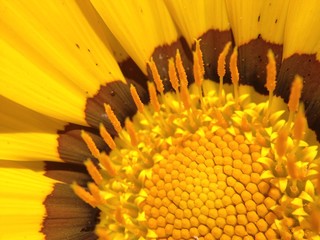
<point>68,217</point>
<point>307,66</point>
<point>162,54</point>
<point>131,70</point>
<point>252,61</point>
<point>212,43</point>
<point>117,95</point>
<point>67,173</point>
<point>73,149</point>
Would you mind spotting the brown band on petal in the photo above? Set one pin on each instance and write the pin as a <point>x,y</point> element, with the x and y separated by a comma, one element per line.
<point>67,173</point>
<point>212,43</point>
<point>117,95</point>
<point>308,67</point>
<point>252,62</point>
<point>131,70</point>
<point>73,149</point>
<point>68,217</point>
<point>162,54</point>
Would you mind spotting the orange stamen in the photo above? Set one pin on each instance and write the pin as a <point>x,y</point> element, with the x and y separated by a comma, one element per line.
<point>90,144</point>
<point>271,72</point>
<point>199,58</point>
<point>84,195</point>
<point>107,137</point>
<point>234,72</point>
<point>221,68</point>
<point>153,97</point>
<point>95,191</point>
<point>106,163</point>
<point>136,98</point>
<point>198,77</point>
<point>181,71</point>
<point>295,94</point>
<point>113,118</point>
<point>299,124</point>
<point>156,76</point>
<point>93,171</point>
<point>281,143</point>
<point>132,132</point>
<point>173,75</point>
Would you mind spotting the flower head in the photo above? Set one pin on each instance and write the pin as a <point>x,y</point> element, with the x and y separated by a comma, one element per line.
<point>159,120</point>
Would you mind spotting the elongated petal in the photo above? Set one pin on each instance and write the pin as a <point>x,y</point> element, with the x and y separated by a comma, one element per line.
<point>23,188</point>
<point>59,60</point>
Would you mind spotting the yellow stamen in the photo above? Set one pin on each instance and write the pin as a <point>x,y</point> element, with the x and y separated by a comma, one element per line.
<point>113,118</point>
<point>156,76</point>
<point>107,137</point>
<point>90,144</point>
<point>136,98</point>
<point>93,171</point>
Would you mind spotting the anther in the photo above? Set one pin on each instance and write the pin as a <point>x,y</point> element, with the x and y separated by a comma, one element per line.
<point>113,118</point>
<point>132,132</point>
<point>95,192</point>
<point>156,76</point>
<point>106,163</point>
<point>136,98</point>
<point>90,144</point>
<point>153,97</point>
<point>221,68</point>
<point>107,137</point>
<point>84,195</point>
<point>299,124</point>
<point>173,75</point>
<point>93,171</point>
<point>198,76</point>
<point>271,73</point>
<point>199,58</point>
<point>281,147</point>
<point>295,93</point>
<point>234,72</point>
<point>181,71</point>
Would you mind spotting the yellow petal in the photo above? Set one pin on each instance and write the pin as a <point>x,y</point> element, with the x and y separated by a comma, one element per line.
<point>29,146</point>
<point>140,27</point>
<point>51,58</point>
<point>301,29</point>
<point>197,17</point>
<point>23,188</point>
<point>243,17</point>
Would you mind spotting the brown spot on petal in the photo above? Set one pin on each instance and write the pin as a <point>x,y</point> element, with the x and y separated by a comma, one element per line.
<point>212,43</point>
<point>68,217</point>
<point>162,54</point>
<point>71,146</point>
<point>308,67</point>
<point>117,95</point>
<point>252,62</point>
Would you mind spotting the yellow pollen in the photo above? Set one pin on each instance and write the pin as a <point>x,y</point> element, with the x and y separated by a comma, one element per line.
<point>213,167</point>
<point>156,76</point>
<point>136,98</point>
<point>113,118</point>
<point>90,143</point>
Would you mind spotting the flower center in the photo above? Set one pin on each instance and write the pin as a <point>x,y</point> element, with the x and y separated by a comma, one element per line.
<point>205,161</point>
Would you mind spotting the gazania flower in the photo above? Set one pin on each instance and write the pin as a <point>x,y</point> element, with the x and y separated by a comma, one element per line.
<point>159,119</point>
